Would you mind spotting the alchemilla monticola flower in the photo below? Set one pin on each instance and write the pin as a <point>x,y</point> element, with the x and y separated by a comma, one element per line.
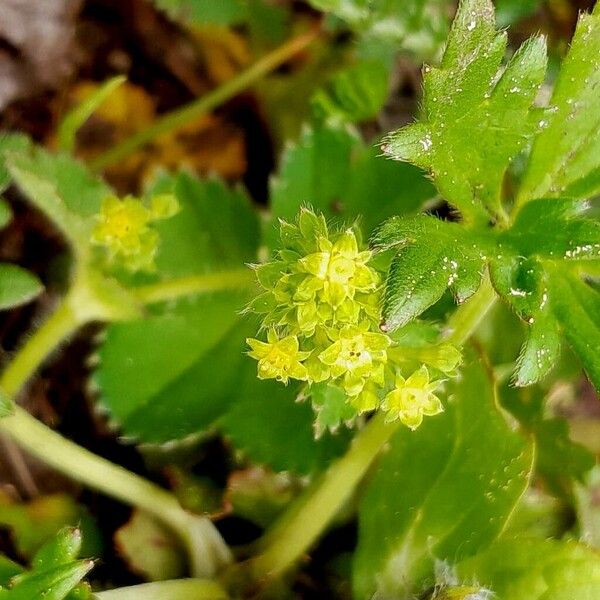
<point>320,310</point>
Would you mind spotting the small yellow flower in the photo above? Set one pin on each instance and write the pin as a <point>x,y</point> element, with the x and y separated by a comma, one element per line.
<point>337,271</point>
<point>279,359</point>
<point>358,355</point>
<point>366,400</point>
<point>122,227</point>
<point>412,399</point>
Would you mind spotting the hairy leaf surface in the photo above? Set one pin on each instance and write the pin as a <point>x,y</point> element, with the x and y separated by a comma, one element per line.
<point>433,255</point>
<point>565,160</point>
<point>534,569</point>
<point>442,492</point>
<point>468,99</point>
<point>332,170</point>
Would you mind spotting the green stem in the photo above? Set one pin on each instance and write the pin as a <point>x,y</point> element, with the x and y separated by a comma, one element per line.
<point>467,317</point>
<point>187,286</point>
<point>210,101</point>
<point>88,468</point>
<point>177,589</point>
<point>206,549</point>
<point>61,324</point>
<point>294,536</point>
<point>301,527</point>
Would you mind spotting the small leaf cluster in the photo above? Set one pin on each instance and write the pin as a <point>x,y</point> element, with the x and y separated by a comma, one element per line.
<point>320,310</point>
<point>55,572</point>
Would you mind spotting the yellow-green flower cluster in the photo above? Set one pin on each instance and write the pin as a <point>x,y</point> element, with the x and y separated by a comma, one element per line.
<point>123,228</point>
<point>320,309</point>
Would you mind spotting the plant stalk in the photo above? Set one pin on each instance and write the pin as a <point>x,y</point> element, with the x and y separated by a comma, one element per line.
<point>303,524</point>
<point>465,320</point>
<point>90,469</point>
<point>59,326</point>
<point>206,549</point>
<point>181,116</point>
<point>187,286</point>
<point>299,530</point>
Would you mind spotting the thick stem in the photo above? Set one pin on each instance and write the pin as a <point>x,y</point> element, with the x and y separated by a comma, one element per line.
<point>187,286</point>
<point>210,101</point>
<point>61,324</point>
<point>294,536</point>
<point>299,529</point>
<point>207,550</point>
<point>88,468</point>
<point>179,589</point>
<point>465,320</point>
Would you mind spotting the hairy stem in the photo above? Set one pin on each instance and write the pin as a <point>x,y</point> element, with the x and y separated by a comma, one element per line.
<point>187,286</point>
<point>293,536</point>
<point>210,101</point>
<point>90,469</point>
<point>467,317</point>
<point>177,589</point>
<point>207,551</point>
<point>61,324</point>
<point>298,530</point>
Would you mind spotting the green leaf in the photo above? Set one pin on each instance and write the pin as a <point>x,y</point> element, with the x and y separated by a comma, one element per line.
<point>64,547</point>
<point>216,228</point>
<point>565,159</point>
<point>464,100</point>
<point>75,119</point>
<point>559,460</point>
<point>272,428</point>
<point>61,188</point>
<point>5,213</point>
<point>532,569</point>
<point>55,574</point>
<point>522,283</point>
<point>540,351</point>
<point>192,352</point>
<point>416,25</point>
<point>576,306</point>
<point>355,94</point>
<point>433,256</point>
<point>334,171</point>
<point>574,237</point>
<point>50,584</point>
<point>440,493</point>
<point>17,286</point>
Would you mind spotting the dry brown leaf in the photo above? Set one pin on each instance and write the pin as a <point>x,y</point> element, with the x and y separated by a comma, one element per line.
<point>207,145</point>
